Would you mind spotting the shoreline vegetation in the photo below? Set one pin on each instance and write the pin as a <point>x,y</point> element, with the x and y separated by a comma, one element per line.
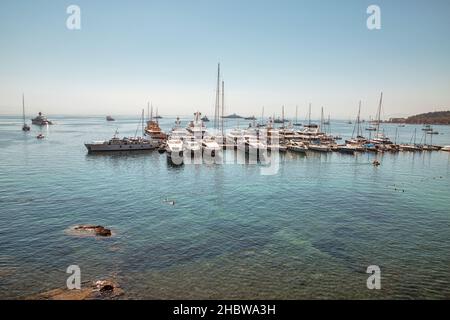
<point>437,117</point>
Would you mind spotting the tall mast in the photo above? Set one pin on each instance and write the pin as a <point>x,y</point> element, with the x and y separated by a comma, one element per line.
<point>142,120</point>
<point>223,106</point>
<point>23,107</point>
<point>151,113</point>
<point>358,120</point>
<point>282,114</point>
<point>262,116</point>
<point>296,114</point>
<point>216,111</point>
<point>321,120</point>
<point>148,111</point>
<point>379,114</point>
<point>356,126</point>
<point>329,124</point>
<point>309,114</point>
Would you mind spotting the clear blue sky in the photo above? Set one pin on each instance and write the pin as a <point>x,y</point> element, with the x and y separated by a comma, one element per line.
<point>273,53</point>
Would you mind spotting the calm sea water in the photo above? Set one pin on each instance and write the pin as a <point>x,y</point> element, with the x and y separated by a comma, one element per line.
<point>309,231</point>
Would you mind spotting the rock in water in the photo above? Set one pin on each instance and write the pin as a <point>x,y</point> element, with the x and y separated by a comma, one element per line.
<point>98,230</point>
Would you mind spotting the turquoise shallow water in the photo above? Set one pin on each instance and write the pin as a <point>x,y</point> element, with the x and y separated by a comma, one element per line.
<point>309,231</point>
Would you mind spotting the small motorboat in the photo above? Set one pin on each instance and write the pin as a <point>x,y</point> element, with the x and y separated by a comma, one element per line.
<point>40,136</point>
<point>445,148</point>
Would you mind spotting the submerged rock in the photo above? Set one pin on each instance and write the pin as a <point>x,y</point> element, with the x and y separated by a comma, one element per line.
<point>98,230</point>
<point>102,289</point>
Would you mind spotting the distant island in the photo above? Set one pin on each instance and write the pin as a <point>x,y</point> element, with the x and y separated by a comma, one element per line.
<point>232,116</point>
<point>438,117</point>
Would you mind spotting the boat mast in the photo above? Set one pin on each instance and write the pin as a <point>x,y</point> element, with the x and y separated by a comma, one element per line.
<point>296,114</point>
<point>329,124</point>
<point>379,114</point>
<point>282,115</point>
<point>223,106</point>
<point>262,116</point>
<point>216,110</point>
<point>23,108</point>
<point>321,120</point>
<point>142,121</point>
<point>151,113</point>
<point>148,111</point>
<point>309,114</point>
<point>358,121</point>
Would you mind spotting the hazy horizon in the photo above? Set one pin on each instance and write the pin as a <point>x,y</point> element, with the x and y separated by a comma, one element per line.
<point>272,54</point>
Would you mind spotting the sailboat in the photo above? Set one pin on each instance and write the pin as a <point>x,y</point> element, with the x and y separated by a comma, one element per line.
<point>153,130</point>
<point>261,124</point>
<point>380,138</point>
<point>359,140</point>
<point>296,123</point>
<point>317,146</point>
<point>411,146</point>
<point>25,126</point>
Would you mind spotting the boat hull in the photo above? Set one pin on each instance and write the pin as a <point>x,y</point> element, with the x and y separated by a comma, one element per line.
<point>128,147</point>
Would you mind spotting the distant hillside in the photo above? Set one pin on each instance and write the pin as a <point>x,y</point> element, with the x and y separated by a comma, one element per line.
<point>438,117</point>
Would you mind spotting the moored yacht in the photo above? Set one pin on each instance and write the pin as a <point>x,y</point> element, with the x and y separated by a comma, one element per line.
<point>174,150</point>
<point>196,127</point>
<point>252,145</point>
<point>121,144</point>
<point>40,120</point>
<point>154,131</point>
<point>319,147</point>
<point>192,147</point>
<point>210,146</point>
<point>296,146</point>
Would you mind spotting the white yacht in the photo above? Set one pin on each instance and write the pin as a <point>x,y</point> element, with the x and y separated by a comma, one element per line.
<point>445,148</point>
<point>319,147</point>
<point>178,131</point>
<point>210,146</point>
<point>252,145</point>
<point>234,136</point>
<point>121,144</point>
<point>296,146</point>
<point>174,150</point>
<point>196,127</point>
<point>380,138</point>
<point>40,120</point>
<point>192,147</point>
